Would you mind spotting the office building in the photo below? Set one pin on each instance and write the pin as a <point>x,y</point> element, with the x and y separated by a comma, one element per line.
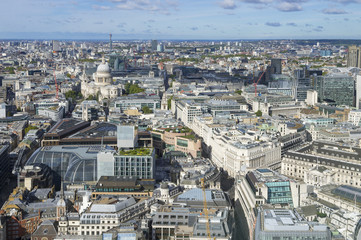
<point>358,91</point>
<point>288,224</point>
<point>137,162</point>
<point>121,104</point>
<point>63,128</point>
<point>311,98</point>
<point>337,88</point>
<point>354,117</point>
<point>354,56</point>
<point>154,45</point>
<point>264,186</point>
<point>343,161</point>
<point>126,137</point>
<point>4,164</point>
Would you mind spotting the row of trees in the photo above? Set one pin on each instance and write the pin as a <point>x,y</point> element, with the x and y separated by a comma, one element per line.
<point>132,88</point>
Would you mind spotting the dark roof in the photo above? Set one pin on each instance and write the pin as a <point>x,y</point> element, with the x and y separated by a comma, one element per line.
<point>114,181</point>
<point>66,126</point>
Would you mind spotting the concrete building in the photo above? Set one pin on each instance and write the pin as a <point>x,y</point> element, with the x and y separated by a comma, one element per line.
<point>137,162</point>
<point>186,110</point>
<point>312,97</point>
<point>354,117</point>
<point>264,186</point>
<point>119,105</point>
<point>288,224</point>
<point>4,165</point>
<point>354,56</point>
<point>358,91</point>
<point>343,161</point>
<point>189,222</point>
<point>338,88</point>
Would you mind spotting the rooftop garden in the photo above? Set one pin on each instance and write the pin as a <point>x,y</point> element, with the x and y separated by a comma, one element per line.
<point>191,137</point>
<point>179,130</point>
<point>136,152</point>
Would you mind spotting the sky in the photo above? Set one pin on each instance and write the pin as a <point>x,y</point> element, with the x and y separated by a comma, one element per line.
<point>180,19</point>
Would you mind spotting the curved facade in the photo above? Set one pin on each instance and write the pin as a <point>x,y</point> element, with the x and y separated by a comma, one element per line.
<point>72,163</point>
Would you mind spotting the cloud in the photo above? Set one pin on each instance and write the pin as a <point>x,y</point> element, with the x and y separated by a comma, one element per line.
<point>72,20</point>
<point>289,7</point>
<point>257,1</point>
<point>273,24</point>
<point>228,4</point>
<point>346,1</point>
<point>122,25</point>
<point>292,24</point>
<point>334,11</point>
<point>96,7</point>
<point>159,6</point>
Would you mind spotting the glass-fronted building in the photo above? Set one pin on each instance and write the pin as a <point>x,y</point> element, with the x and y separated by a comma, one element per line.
<point>74,164</point>
<point>279,193</point>
<point>138,163</point>
<point>339,88</point>
<point>124,103</point>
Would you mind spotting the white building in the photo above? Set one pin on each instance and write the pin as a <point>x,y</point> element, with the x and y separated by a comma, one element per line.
<point>102,85</point>
<point>312,96</point>
<point>358,91</point>
<point>354,117</point>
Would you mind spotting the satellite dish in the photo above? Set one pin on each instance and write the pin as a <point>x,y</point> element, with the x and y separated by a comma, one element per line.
<point>243,168</point>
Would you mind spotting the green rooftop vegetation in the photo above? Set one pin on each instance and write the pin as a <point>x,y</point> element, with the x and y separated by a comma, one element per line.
<point>136,152</point>
<point>179,130</point>
<point>191,136</point>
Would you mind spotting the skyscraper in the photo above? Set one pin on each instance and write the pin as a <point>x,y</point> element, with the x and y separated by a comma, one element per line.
<point>154,45</point>
<point>339,88</point>
<point>354,56</point>
<point>110,42</point>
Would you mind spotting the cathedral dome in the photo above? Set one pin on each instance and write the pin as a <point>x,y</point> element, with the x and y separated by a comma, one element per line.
<point>103,71</point>
<point>103,68</point>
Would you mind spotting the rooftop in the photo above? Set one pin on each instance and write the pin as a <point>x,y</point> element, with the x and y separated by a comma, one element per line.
<point>136,152</point>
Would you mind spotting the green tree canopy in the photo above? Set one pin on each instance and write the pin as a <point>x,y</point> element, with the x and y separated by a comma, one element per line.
<point>146,110</point>
<point>259,113</point>
<point>132,88</point>
<point>30,127</point>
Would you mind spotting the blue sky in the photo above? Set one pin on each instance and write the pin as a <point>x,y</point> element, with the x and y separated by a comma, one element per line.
<point>181,19</point>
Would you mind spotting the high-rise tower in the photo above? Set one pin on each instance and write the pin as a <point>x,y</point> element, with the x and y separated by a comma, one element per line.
<point>110,42</point>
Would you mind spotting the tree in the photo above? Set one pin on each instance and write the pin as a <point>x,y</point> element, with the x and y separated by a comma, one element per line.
<point>169,101</point>
<point>30,128</point>
<point>11,70</point>
<point>146,110</point>
<point>259,113</point>
<point>73,95</point>
<point>132,88</point>
<point>91,97</point>
<point>239,92</point>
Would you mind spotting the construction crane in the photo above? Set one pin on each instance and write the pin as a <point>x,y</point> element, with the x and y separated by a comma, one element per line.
<point>255,84</point>
<point>56,85</point>
<point>205,210</point>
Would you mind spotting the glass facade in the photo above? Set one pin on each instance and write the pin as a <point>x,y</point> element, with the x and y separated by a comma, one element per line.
<point>338,88</point>
<point>125,136</point>
<point>182,143</point>
<point>70,165</point>
<point>279,193</point>
<point>136,166</point>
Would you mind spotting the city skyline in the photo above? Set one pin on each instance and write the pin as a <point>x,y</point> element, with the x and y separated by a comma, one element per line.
<point>171,19</point>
